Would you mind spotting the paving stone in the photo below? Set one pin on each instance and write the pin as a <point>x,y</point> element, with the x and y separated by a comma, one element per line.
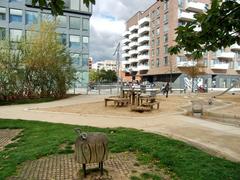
<point>64,167</point>
<point>6,136</point>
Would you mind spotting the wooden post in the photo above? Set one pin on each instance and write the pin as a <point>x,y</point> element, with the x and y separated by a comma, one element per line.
<point>84,170</point>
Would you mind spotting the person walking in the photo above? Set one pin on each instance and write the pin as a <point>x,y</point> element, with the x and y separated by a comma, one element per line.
<point>166,89</point>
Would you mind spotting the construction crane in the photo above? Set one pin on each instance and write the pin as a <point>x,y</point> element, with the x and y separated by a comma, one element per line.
<point>117,52</point>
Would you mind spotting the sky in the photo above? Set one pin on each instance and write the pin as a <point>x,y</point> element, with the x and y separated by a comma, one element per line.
<point>108,24</point>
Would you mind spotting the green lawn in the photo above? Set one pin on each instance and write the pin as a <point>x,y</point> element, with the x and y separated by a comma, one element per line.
<point>186,162</point>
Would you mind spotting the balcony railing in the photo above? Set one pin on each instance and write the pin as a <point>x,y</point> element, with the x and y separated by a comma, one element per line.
<point>197,7</point>
<point>186,16</point>
<point>133,44</point>
<point>142,67</point>
<point>143,39</point>
<point>144,29</point>
<point>133,52</point>
<point>237,66</point>
<point>143,57</point>
<point>134,68</point>
<point>235,47</point>
<point>133,60</point>
<point>133,36</point>
<point>125,41</point>
<point>126,33</point>
<point>143,21</point>
<point>133,28</point>
<point>226,55</point>
<point>125,62</point>
<point>125,55</point>
<point>125,48</point>
<point>143,48</point>
<point>220,65</point>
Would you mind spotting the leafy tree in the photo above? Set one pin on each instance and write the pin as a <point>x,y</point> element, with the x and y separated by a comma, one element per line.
<point>220,27</point>
<point>56,5</point>
<point>48,66</point>
<point>102,76</point>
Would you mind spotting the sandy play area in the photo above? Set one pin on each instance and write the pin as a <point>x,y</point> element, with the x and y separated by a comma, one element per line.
<point>171,104</point>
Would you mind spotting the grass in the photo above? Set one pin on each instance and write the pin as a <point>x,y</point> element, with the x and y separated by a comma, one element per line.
<point>184,161</point>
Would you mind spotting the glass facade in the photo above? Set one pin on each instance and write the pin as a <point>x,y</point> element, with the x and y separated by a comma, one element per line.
<point>2,33</point>
<point>62,21</point>
<point>74,41</point>
<point>31,17</point>
<point>47,17</point>
<point>74,23</point>
<point>15,15</point>
<point>2,13</point>
<point>15,35</point>
<point>85,43</point>
<point>85,24</point>
<point>62,38</point>
<point>76,59</point>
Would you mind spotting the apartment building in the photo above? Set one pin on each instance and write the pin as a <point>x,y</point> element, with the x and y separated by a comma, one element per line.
<point>106,65</point>
<point>18,16</point>
<point>148,35</point>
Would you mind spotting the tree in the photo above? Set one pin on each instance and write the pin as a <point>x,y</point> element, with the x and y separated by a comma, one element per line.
<point>220,27</point>
<point>102,75</point>
<point>56,6</point>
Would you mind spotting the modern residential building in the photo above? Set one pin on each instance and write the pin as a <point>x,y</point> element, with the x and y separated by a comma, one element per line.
<point>148,35</point>
<point>18,16</point>
<point>106,65</point>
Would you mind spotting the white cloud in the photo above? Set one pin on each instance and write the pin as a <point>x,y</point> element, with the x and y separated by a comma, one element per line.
<point>108,24</point>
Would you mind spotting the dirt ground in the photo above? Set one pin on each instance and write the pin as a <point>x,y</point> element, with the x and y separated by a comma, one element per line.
<point>229,98</point>
<point>170,104</point>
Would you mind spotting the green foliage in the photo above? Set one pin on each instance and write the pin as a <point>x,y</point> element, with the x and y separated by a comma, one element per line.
<point>186,162</point>
<point>39,66</point>
<point>102,76</point>
<point>56,6</point>
<point>220,27</point>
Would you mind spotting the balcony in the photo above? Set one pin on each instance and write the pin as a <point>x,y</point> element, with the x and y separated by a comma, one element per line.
<point>125,55</point>
<point>143,67</point>
<point>133,44</point>
<point>220,65</point>
<point>186,64</point>
<point>144,21</point>
<point>125,62</point>
<point>235,47</point>
<point>143,39</point>
<point>133,60</point>
<point>133,52</point>
<point>186,16</point>
<point>133,28</point>
<point>143,48</point>
<point>197,7</point>
<point>226,55</point>
<point>144,29</point>
<point>125,48</point>
<point>133,36</point>
<point>125,41</point>
<point>143,57</point>
<point>134,68</point>
<point>126,34</point>
<point>126,70</point>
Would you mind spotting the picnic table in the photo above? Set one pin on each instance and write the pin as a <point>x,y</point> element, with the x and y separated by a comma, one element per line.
<point>118,101</point>
<point>149,101</point>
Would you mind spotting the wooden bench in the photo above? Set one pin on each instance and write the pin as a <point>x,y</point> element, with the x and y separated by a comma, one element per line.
<point>117,101</point>
<point>140,108</point>
<point>151,104</point>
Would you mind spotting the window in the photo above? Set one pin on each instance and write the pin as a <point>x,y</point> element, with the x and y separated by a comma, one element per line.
<point>47,17</point>
<point>165,27</point>
<point>165,18</point>
<point>153,33</point>
<point>166,61</point>
<point>2,33</point>
<point>153,43</point>
<point>85,61</point>
<point>153,52</point>
<point>165,38</point>
<point>62,21</point>
<point>31,17</point>
<point>74,4</point>
<point>157,52</point>
<point>158,42</point>
<point>15,15</point>
<point>153,14</point>
<point>76,59</point>
<point>85,43</point>
<point>30,34</point>
<point>158,31</point>
<point>157,62</point>
<point>158,11</point>
<point>62,38</point>
<point>165,6</point>
<point>157,21</point>
<point>74,41</point>
<point>15,0</point>
<point>85,24</point>
<point>15,35</point>
<point>75,23</point>
<point>166,49</point>
<point>2,13</point>
<point>152,63</point>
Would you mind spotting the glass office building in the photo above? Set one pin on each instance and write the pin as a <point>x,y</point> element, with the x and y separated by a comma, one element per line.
<point>18,16</point>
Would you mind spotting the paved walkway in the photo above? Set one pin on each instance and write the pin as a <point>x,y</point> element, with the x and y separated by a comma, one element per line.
<point>218,139</point>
